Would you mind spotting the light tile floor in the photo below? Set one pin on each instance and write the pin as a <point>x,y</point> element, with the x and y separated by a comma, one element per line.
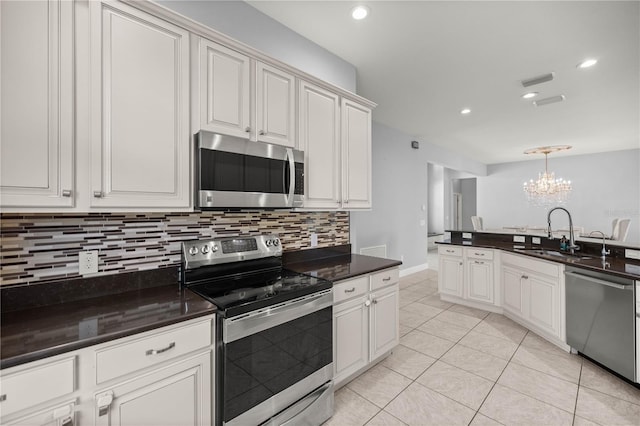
<point>458,365</point>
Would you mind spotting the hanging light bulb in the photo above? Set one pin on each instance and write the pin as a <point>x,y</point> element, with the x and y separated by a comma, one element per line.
<point>547,190</point>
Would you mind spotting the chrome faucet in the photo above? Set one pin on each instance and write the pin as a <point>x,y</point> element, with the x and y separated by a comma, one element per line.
<point>572,242</point>
<point>604,251</point>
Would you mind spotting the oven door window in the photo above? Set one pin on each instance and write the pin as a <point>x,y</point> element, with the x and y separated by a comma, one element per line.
<point>261,365</point>
<point>227,171</point>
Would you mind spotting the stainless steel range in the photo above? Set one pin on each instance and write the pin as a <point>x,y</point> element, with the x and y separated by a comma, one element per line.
<point>274,358</point>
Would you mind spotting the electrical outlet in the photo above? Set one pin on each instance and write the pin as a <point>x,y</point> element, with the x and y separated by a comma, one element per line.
<point>518,238</point>
<point>314,239</point>
<point>88,262</point>
<point>632,254</point>
<point>535,240</point>
<point>88,328</point>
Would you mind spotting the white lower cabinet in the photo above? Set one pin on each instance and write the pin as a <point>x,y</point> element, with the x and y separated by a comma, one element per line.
<point>533,292</point>
<point>178,394</point>
<point>467,274</point>
<point>160,377</point>
<point>365,322</point>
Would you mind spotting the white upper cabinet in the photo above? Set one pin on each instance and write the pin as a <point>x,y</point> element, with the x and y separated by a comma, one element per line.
<point>356,155</point>
<point>319,130</point>
<point>36,113</point>
<point>224,92</point>
<point>140,109</point>
<point>275,105</point>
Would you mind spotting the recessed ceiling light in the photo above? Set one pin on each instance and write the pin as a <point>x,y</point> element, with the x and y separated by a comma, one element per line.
<point>587,63</point>
<point>359,12</point>
<point>465,111</point>
<point>530,95</point>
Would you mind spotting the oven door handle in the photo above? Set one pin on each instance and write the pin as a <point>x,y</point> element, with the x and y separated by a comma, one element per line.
<point>262,319</point>
<point>289,163</point>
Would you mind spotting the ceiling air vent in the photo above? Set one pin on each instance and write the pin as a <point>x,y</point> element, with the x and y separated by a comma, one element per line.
<point>551,100</point>
<point>537,80</point>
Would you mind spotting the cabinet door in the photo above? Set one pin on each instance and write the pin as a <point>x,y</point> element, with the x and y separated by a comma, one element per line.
<point>350,337</point>
<point>385,323</point>
<point>36,112</point>
<point>480,280</point>
<point>512,290</point>
<point>140,117</point>
<point>275,105</point>
<point>356,155</point>
<point>319,138</point>
<point>179,394</point>
<point>543,304</point>
<point>225,90</point>
<point>450,275</point>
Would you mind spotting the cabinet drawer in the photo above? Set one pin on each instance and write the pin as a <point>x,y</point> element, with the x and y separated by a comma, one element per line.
<point>475,253</point>
<point>544,267</point>
<point>448,250</point>
<point>36,385</point>
<point>384,278</point>
<point>133,355</point>
<point>351,288</point>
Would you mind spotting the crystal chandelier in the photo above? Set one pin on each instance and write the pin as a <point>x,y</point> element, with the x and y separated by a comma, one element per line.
<point>547,190</point>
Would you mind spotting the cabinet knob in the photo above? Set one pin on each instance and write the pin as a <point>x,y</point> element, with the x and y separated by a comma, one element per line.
<point>98,194</point>
<point>247,129</point>
<point>3,397</point>
<point>375,301</point>
<point>460,263</point>
<point>261,132</point>
<point>66,193</point>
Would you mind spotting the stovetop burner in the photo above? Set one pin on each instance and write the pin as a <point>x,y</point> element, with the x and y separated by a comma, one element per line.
<point>242,280</point>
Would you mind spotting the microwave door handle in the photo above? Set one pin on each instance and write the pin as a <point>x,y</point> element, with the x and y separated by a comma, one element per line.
<point>288,197</point>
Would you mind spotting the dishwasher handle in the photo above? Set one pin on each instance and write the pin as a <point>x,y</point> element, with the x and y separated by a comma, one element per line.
<point>599,281</point>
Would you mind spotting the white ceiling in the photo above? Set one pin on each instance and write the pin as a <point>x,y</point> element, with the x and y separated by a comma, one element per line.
<point>423,61</point>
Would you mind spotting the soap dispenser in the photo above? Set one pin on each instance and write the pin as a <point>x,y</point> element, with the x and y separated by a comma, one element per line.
<point>564,246</point>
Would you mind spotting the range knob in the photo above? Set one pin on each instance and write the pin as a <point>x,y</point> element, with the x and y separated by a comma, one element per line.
<point>276,242</point>
<point>193,250</point>
<point>269,243</point>
<point>214,248</point>
<point>205,249</point>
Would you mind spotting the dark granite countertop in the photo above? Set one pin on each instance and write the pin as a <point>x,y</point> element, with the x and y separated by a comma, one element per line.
<point>587,258</point>
<point>338,265</point>
<point>36,332</point>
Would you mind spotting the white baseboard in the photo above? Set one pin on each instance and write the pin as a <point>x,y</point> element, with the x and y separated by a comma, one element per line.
<point>413,269</point>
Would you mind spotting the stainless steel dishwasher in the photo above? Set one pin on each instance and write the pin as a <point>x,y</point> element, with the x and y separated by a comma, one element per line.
<point>601,318</point>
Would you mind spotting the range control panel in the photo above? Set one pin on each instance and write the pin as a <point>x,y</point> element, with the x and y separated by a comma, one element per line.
<point>215,251</point>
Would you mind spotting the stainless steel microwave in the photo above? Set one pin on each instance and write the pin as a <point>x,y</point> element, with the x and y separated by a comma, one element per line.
<point>233,172</point>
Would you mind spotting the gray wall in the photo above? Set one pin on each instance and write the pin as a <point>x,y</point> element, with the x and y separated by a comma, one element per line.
<point>399,214</point>
<point>605,186</point>
<point>248,25</point>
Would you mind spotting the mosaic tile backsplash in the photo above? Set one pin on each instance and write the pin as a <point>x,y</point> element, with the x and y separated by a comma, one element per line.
<point>44,247</point>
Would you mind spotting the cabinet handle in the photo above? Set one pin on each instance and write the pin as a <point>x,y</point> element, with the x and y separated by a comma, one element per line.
<point>159,351</point>
<point>261,132</point>
<point>367,303</point>
<point>478,262</point>
<point>375,301</point>
<point>386,279</point>
<point>98,194</point>
<point>67,422</point>
<point>247,129</point>
<point>351,290</point>
<point>479,254</point>
<point>66,193</point>
<point>449,251</point>
<point>525,277</point>
<point>3,397</point>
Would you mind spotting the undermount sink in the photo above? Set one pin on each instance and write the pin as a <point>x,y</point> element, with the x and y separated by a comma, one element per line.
<point>555,253</point>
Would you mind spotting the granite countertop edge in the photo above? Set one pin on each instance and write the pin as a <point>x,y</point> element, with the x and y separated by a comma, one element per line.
<point>354,265</point>
<point>524,250</point>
